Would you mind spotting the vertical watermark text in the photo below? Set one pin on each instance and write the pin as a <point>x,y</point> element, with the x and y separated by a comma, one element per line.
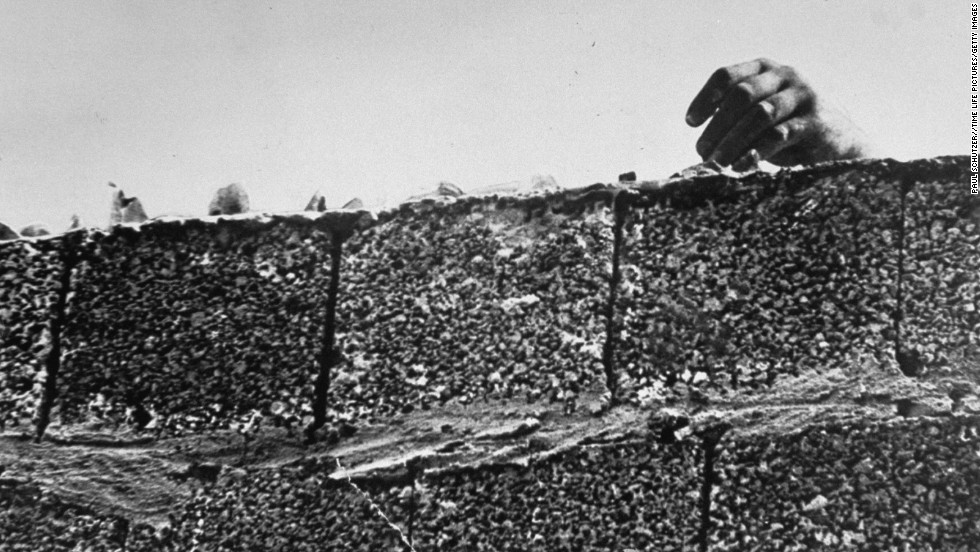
<point>974,95</point>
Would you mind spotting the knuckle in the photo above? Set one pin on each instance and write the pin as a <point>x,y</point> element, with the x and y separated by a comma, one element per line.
<point>784,132</point>
<point>767,64</point>
<point>742,94</point>
<point>723,76</point>
<point>764,112</point>
<point>781,133</point>
<point>792,76</point>
<point>808,98</point>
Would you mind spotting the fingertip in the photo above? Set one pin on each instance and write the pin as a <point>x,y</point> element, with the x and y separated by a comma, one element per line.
<point>703,107</point>
<point>703,148</point>
<point>747,162</point>
<point>723,155</point>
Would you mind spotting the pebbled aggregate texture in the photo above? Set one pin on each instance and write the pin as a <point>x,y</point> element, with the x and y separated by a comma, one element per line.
<point>279,510</point>
<point>479,299</point>
<point>614,497</point>
<point>734,283</point>
<point>34,520</point>
<point>636,495</point>
<point>941,280</point>
<point>29,284</point>
<point>908,485</point>
<point>898,485</point>
<point>724,284</point>
<point>196,323</point>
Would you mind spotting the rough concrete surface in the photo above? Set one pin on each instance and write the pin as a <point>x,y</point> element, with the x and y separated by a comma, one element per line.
<point>778,361</point>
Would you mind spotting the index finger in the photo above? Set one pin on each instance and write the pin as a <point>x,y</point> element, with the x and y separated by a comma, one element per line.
<point>706,101</point>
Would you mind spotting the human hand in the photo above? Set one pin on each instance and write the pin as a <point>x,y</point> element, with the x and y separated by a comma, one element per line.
<point>763,106</point>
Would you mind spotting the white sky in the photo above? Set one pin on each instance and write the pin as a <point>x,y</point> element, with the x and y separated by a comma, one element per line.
<point>174,99</point>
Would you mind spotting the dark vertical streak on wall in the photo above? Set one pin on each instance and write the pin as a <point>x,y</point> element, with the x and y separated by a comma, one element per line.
<point>52,364</point>
<point>620,207</point>
<point>328,356</point>
<point>122,526</point>
<point>710,438</point>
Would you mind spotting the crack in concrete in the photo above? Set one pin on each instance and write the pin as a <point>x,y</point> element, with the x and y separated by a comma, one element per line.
<point>374,506</point>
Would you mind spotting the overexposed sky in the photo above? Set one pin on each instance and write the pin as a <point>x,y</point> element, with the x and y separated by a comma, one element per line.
<point>382,99</point>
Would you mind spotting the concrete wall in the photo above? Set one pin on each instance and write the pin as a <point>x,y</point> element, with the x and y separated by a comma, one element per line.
<point>790,362</point>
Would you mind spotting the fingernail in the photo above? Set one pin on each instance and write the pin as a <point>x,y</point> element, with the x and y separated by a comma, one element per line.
<point>691,121</point>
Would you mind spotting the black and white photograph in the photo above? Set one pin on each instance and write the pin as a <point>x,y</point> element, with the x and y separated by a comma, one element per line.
<point>489,275</point>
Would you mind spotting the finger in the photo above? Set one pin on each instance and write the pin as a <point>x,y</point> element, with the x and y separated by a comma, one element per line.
<point>748,161</point>
<point>706,100</point>
<point>781,137</point>
<point>757,119</point>
<point>738,101</point>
